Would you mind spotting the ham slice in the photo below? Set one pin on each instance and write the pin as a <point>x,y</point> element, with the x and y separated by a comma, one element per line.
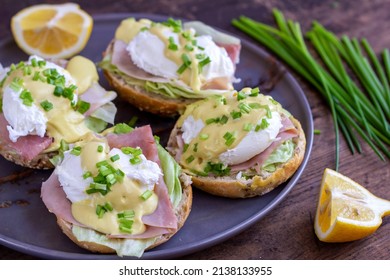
<point>55,199</point>
<point>233,51</point>
<point>96,96</point>
<point>161,221</point>
<point>27,147</point>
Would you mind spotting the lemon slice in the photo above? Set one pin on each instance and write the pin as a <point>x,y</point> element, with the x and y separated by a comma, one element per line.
<point>347,211</point>
<point>52,31</point>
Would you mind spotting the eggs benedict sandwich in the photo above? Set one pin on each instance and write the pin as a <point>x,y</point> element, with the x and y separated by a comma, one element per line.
<point>242,144</point>
<point>120,193</point>
<point>46,106</point>
<point>160,67</point>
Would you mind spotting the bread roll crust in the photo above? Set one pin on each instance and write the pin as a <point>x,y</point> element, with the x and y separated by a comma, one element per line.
<point>182,212</point>
<point>229,186</point>
<point>41,161</point>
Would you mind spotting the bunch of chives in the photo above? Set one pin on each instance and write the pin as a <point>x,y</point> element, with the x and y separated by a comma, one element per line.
<point>355,110</point>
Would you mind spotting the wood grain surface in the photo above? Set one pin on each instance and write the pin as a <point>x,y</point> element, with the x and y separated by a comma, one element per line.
<point>287,231</point>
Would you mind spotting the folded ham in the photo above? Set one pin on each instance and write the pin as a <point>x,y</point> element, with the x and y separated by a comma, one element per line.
<point>27,147</point>
<point>162,220</point>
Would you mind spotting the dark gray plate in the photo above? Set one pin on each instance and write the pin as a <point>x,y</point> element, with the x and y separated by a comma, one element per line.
<point>28,227</point>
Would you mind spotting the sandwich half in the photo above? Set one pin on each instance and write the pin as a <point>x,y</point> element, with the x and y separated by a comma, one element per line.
<point>160,67</point>
<point>242,144</point>
<point>119,193</point>
<point>47,105</point>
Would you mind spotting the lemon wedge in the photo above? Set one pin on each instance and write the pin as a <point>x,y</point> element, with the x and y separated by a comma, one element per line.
<point>52,31</point>
<point>347,211</point>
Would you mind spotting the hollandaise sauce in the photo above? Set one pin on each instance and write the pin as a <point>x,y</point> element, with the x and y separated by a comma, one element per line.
<point>115,202</point>
<point>181,46</point>
<point>223,122</point>
<point>54,91</point>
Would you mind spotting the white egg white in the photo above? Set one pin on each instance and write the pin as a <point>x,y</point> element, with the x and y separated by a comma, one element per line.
<point>23,120</point>
<point>148,52</point>
<point>70,173</point>
<point>253,143</point>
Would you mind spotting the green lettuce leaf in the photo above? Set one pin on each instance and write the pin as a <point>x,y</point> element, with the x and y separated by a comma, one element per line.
<point>123,247</point>
<point>171,90</point>
<point>282,154</point>
<point>171,172</point>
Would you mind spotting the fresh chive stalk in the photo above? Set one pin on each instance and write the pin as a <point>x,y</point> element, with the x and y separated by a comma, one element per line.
<point>360,110</point>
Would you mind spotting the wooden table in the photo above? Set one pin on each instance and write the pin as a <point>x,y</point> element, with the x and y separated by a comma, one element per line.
<point>287,231</point>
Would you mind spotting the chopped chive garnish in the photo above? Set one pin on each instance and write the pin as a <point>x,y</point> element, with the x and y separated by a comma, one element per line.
<point>147,194</point>
<point>100,148</point>
<point>185,147</point>
<point>186,63</point>
<point>254,92</point>
<point>317,131</point>
<point>263,125</point>
<point>102,163</point>
<point>132,151</point>
<point>241,95</point>
<point>108,206</point>
<point>26,96</point>
<point>58,91</point>
<point>82,106</point>
<point>133,121</point>
<point>27,70</point>
<point>34,62</point>
<point>230,141</point>
<point>41,63</point>
<point>63,145</point>
<point>145,28</point>
<point>248,127</point>
<point>36,76</point>
<point>211,120</point>
<point>76,151</point>
<point>122,128</point>
<point>195,149</point>
<point>244,108</point>
<point>100,211</point>
<point>190,159</point>
<point>203,136</point>
<point>174,24</point>
<point>46,105</point>
<point>172,45</point>
<point>227,135</point>
<point>235,114</point>
<point>135,160</point>
<point>200,56</point>
<point>104,170</point>
<point>87,175</point>
<point>217,168</point>
<point>189,47</point>
<point>201,48</point>
<point>203,63</point>
<point>114,158</point>
<point>223,119</point>
<point>128,214</point>
<point>16,84</point>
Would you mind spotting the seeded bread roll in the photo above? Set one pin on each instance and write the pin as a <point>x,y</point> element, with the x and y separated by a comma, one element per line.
<point>142,99</point>
<point>182,211</point>
<point>246,179</point>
